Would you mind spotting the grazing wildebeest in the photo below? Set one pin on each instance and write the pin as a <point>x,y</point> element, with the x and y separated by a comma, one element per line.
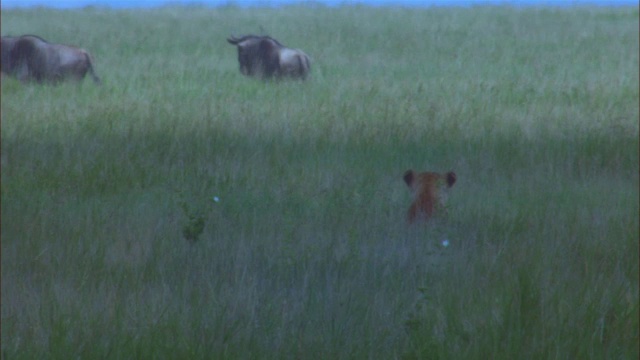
<point>265,57</point>
<point>31,58</point>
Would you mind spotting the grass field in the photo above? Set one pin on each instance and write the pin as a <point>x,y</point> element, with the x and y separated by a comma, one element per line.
<point>307,253</point>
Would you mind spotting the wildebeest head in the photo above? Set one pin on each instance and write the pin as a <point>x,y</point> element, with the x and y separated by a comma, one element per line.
<point>265,57</point>
<point>31,58</point>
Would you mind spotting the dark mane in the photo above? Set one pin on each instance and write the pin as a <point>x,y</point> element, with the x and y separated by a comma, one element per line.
<point>258,37</point>
<point>35,36</point>
<point>272,39</point>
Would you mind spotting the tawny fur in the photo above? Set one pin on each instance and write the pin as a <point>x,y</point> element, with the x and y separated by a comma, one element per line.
<point>427,188</point>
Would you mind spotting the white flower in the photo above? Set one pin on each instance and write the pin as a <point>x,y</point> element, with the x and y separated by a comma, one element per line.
<point>445,242</point>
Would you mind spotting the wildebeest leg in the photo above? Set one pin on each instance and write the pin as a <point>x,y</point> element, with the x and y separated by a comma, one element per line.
<point>37,65</point>
<point>303,67</point>
<point>22,73</point>
<point>95,77</point>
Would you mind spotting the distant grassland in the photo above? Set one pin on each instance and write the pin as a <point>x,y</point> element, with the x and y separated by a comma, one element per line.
<point>307,254</point>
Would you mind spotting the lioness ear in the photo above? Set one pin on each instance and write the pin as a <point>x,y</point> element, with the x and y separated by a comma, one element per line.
<point>408,177</point>
<point>451,178</point>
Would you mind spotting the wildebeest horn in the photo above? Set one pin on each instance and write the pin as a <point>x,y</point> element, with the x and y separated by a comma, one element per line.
<point>233,40</point>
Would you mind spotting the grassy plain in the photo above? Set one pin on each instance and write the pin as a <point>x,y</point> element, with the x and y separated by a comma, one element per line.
<point>307,254</point>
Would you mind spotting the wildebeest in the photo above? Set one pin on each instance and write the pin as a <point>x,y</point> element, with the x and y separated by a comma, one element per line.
<point>264,57</point>
<point>31,58</point>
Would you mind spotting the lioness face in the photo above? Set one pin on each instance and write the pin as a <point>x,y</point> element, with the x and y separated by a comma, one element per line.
<point>429,193</point>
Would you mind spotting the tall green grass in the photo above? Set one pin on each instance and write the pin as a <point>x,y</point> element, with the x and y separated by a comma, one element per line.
<point>308,254</point>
